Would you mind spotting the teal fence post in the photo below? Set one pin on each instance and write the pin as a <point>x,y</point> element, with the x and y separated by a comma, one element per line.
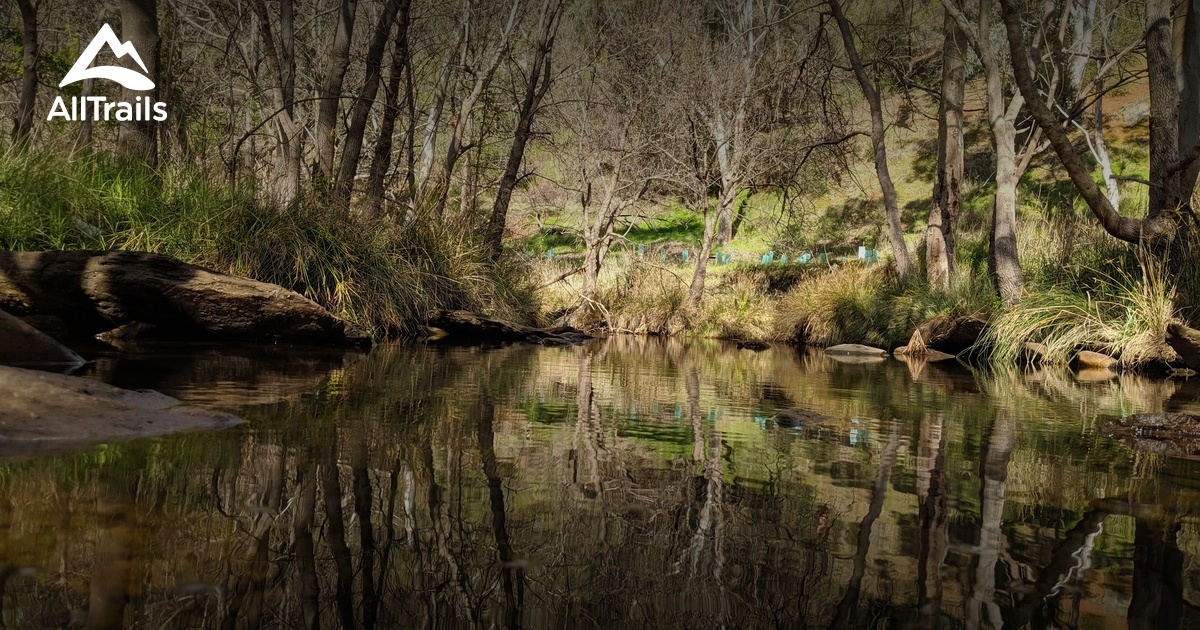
<point>685,255</point>
<point>549,254</point>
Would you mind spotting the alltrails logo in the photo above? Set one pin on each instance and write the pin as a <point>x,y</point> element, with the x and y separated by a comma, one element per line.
<point>144,108</point>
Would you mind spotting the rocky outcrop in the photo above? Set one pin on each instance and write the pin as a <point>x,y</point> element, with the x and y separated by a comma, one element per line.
<point>22,344</point>
<point>94,292</point>
<point>44,413</point>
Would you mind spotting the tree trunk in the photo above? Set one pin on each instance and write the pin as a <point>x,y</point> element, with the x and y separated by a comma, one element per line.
<point>381,160</point>
<point>23,125</point>
<point>330,91</point>
<point>1005,262</point>
<point>1164,106</point>
<point>352,147</point>
<point>281,58</point>
<point>700,272</point>
<point>947,191</point>
<point>1083,17</point>
<point>138,140</point>
<point>536,86</point>
<point>1189,101</point>
<point>890,203</point>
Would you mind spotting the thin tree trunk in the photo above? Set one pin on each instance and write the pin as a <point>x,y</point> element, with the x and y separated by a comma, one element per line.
<point>1189,101</point>
<point>23,125</point>
<point>1164,106</point>
<point>138,140</point>
<point>84,140</point>
<point>700,272</point>
<point>281,58</point>
<point>330,91</point>
<point>947,188</point>
<point>536,87</point>
<point>381,160</point>
<point>1083,17</point>
<point>890,203</point>
<point>352,146</point>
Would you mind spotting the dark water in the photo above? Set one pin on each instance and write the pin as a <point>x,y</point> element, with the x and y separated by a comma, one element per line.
<point>633,482</point>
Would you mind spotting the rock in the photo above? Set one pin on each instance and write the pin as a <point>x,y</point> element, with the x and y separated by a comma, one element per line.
<point>94,291</point>
<point>756,346</point>
<point>22,344</point>
<point>797,417</point>
<point>1033,351</point>
<point>1088,359</point>
<point>1185,342</point>
<point>855,350</point>
<point>1172,434</point>
<point>44,413</point>
<point>951,335</point>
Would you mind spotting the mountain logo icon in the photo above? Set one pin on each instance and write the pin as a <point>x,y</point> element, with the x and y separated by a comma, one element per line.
<point>131,79</point>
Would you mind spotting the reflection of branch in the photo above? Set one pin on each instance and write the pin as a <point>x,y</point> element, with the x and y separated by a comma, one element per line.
<point>1061,560</point>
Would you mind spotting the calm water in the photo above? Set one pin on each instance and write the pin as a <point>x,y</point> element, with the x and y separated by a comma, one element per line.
<point>632,482</point>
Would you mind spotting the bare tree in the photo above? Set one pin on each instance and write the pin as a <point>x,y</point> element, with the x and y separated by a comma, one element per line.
<point>536,86</point>
<point>871,94</point>
<point>281,59</point>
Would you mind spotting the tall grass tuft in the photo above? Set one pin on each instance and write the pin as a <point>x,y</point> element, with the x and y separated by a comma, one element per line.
<point>384,276</point>
<point>1122,314</point>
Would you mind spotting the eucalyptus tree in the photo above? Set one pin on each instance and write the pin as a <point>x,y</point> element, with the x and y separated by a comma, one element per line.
<point>1172,162</point>
<point>947,188</point>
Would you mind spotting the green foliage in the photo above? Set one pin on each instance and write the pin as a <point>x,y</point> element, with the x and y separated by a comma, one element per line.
<point>384,276</point>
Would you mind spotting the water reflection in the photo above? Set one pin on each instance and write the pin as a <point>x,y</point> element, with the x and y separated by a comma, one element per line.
<point>632,482</point>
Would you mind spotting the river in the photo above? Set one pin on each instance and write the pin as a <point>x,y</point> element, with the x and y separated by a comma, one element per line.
<point>631,482</point>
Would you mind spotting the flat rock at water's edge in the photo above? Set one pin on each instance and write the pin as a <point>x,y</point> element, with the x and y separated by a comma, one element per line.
<point>1094,360</point>
<point>855,350</point>
<point>42,412</point>
<point>22,344</point>
<point>94,292</point>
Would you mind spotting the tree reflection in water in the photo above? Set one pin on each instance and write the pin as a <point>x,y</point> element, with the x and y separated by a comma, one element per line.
<point>632,482</point>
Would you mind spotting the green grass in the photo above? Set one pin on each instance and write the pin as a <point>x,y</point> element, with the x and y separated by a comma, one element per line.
<point>383,276</point>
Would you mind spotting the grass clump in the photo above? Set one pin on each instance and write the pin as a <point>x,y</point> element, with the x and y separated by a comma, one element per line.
<point>384,276</point>
<point>1121,315</point>
<point>857,303</point>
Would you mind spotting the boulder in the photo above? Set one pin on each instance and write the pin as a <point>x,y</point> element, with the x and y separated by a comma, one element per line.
<point>44,413</point>
<point>1086,359</point>
<point>951,335</point>
<point>1185,342</point>
<point>22,344</point>
<point>93,292</point>
<point>1134,113</point>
